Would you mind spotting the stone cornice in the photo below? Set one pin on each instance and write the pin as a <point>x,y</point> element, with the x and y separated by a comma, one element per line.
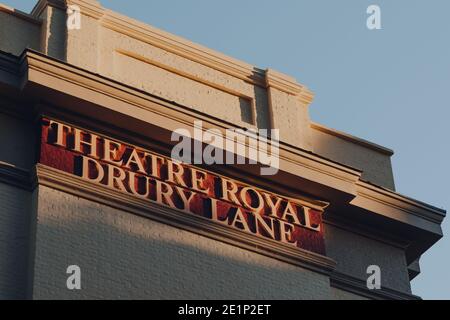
<point>91,8</point>
<point>353,139</point>
<point>321,178</point>
<point>363,230</point>
<point>19,14</point>
<point>74,185</point>
<point>58,75</point>
<point>15,176</point>
<point>184,48</point>
<point>394,200</point>
<point>289,85</point>
<point>42,4</point>
<point>359,287</point>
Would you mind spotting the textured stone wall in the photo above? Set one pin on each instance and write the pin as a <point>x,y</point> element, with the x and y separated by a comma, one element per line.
<point>354,253</point>
<point>53,32</point>
<point>14,241</point>
<point>376,166</point>
<point>182,80</point>
<point>126,256</point>
<point>17,141</point>
<point>16,34</point>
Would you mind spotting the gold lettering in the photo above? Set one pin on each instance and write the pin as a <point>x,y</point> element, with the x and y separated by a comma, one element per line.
<point>229,189</point>
<point>197,182</point>
<point>214,215</point>
<point>60,141</point>
<point>286,230</point>
<point>85,170</point>
<point>273,206</point>
<point>175,175</point>
<point>240,218</point>
<point>134,158</point>
<point>92,143</point>
<point>248,204</point>
<point>165,194</point>
<point>133,180</point>
<point>154,167</point>
<point>260,220</point>
<point>290,212</point>
<point>307,213</point>
<point>186,201</point>
<point>111,152</point>
<point>115,181</point>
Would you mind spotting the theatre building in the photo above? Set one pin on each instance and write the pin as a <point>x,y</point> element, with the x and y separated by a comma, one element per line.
<point>93,105</point>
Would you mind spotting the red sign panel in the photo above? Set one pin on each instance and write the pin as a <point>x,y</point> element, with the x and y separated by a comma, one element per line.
<point>151,176</point>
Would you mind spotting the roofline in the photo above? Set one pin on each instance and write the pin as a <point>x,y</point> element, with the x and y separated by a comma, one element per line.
<point>20,14</point>
<point>353,139</point>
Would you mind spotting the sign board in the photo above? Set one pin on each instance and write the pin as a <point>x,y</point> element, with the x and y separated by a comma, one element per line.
<point>151,176</point>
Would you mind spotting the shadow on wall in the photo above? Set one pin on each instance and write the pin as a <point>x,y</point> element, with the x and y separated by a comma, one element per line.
<point>123,256</point>
<point>246,111</point>
<point>14,241</point>
<point>55,37</point>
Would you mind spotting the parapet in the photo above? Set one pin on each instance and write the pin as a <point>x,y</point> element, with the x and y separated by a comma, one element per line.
<point>180,71</point>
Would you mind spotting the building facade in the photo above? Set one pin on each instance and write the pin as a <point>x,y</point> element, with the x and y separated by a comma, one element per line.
<point>89,102</point>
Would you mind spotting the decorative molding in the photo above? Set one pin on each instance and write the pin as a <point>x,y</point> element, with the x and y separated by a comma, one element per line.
<point>414,269</point>
<point>42,4</point>
<point>359,287</point>
<point>336,175</point>
<point>74,185</point>
<point>59,79</point>
<point>352,139</point>
<point>19,14</point>
<point>15,176</point>
<point>149,61</point>
<point>289,85</point>
<point>90,8</point>
<point>349,225</point>
<point>399,202</point>
<point>182,47</point>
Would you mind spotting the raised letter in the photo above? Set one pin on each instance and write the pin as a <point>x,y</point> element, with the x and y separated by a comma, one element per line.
<point>134,158</point>
<point>248,204</point>
<point>164,194</point>
<point>92,143</point>
<point>175,176</point>
<point>229,194</point>
<point>85,170</point>
<point>110,152</point>
<point>290,212</point>
<point>240,218</point>
<point>197,183</point>
<point>60,141</point>
<point>114,180</point>
<point>286,233</point>
<point>273,206</point>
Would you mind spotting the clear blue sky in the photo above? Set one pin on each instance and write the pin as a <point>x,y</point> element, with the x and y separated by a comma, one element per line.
<point>389,86</point>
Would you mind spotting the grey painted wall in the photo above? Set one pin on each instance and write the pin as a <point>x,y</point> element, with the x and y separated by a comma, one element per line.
<point>14,241</point>
<point>126,256</point>
<point>354,253</point>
